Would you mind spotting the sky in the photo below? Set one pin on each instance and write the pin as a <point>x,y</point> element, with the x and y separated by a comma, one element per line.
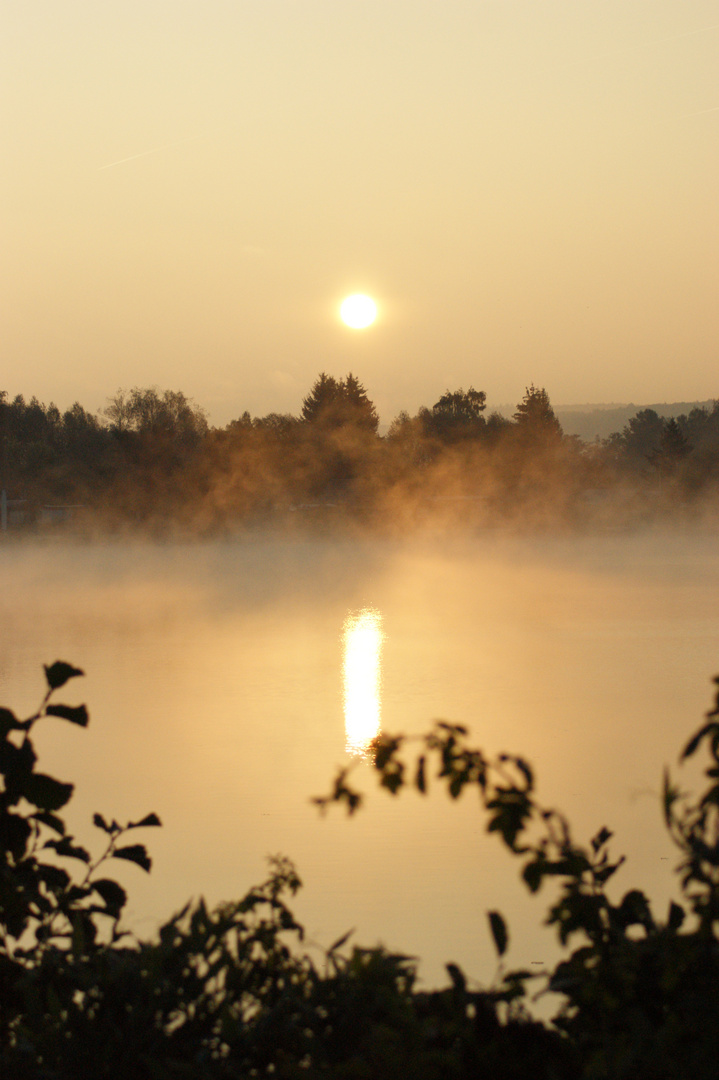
<point>528,191</point>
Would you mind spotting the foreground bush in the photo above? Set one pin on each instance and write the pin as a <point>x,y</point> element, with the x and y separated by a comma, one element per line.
<point>231,993</point>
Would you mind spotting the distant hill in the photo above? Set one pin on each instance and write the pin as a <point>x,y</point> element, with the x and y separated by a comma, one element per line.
<point>592,422</point>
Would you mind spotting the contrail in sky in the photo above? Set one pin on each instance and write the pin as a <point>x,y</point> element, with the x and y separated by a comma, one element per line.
<point>700,30</point>
<point>633,46</point>
<point>155,150</point>
<point>714,108</point>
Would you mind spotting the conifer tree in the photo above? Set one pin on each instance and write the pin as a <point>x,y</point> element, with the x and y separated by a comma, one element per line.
<point>535,415</point>
<point>334,403</point>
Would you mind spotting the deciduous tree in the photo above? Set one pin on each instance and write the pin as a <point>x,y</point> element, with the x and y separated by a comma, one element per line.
<point>457,415</point>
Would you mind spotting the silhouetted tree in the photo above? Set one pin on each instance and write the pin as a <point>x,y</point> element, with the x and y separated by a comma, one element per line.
<point>360,409</point>
<point>279,425</point>
<point>321,399</point>
<point>334,403</point>
<point>244,423</point>
<point>118,412</point>
<point>641,436</point>
<point>497,426</point>
<point>407,447</point>
<point>457,415</point>
<point>147,411</point>
<point>535,415</point>
<point>673,448</point>
<point>701,427</point>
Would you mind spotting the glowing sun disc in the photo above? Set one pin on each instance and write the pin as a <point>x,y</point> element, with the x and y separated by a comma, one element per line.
<point>358,311</point>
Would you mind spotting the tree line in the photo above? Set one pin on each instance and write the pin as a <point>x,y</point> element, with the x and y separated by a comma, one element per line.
<point>150,458</point>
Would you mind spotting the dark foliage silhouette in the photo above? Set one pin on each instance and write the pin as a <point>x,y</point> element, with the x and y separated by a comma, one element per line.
<point>641,994</point>
<point>230,993</point>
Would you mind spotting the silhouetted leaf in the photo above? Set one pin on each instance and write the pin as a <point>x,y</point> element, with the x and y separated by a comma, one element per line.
<point>111,828</point>
<point>15,831</point>
<point>525,770</point>
<point>8,722</point>
<point>340,941</point>
<point>676,916</point>
<point>16,762</point>
<point>59,672</point>
<point>392,780</point>
<point>499,931</point>
<point>513,985</point>
<point>715,710</point>
<point>634,909</point>
<point>533,873</point>
<point>455,729</point>
<point>113,894</point>
<point>76,714</point>
<point>54,877</point>
<point>696,739</point>
<point>420,779</point>
<point>150,819</point>
<point>600,839</point>
<point>385,747</point>
<point>512,808</point>
<point>602,876</point>
<point>45,791</point>
<point>457,976</point>
<point>68,849</point>
<point>134,853</point>
<point>456,785</point>
<point>52,822</point>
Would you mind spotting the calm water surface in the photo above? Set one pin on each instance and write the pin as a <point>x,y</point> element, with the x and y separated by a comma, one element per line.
<point>226,682</point>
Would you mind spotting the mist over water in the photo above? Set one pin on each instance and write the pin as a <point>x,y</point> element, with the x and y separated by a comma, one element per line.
<point>217,683</point>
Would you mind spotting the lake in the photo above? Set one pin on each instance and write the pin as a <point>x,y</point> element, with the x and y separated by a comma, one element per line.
<point>227,680</point>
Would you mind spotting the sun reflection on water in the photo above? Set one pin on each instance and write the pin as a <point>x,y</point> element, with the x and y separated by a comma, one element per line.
<point>362,639</point>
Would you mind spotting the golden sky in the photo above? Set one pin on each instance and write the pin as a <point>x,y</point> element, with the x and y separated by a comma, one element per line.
<point>528,190</point>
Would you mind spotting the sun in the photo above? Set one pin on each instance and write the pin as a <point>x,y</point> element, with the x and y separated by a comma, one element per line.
<point>358,311</point>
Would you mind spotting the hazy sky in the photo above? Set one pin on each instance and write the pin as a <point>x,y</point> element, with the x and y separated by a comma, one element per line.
<point>528,189</point>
